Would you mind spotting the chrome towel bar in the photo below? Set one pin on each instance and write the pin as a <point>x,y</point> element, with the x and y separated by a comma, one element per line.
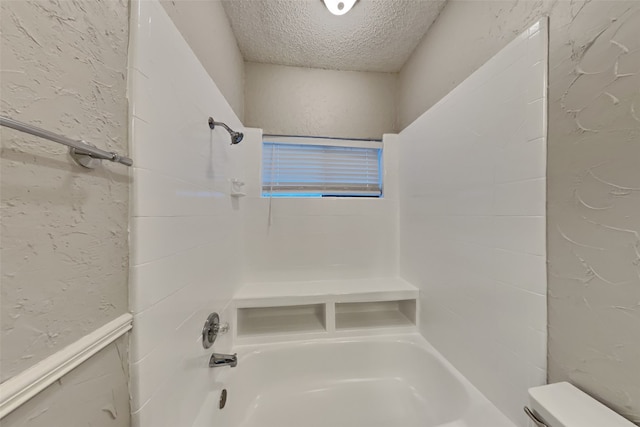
<point>83,153</point>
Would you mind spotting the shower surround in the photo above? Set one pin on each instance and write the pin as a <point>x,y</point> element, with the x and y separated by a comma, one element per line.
<point>194,245</point>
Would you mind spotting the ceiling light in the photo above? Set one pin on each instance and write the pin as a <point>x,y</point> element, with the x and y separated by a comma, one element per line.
<point>339,7</point>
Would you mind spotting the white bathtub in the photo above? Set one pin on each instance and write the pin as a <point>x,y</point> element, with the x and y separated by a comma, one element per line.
<point>394,381</point>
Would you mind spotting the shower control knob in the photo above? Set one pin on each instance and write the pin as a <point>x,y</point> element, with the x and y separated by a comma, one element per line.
<point>210,330</point>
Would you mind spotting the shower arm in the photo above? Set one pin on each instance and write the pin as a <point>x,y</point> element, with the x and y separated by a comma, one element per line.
<point>236,137</point>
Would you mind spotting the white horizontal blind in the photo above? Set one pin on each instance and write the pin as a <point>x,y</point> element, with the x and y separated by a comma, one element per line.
<point>320,170</point>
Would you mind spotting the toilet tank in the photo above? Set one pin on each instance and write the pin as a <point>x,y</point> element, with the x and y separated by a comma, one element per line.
<point>563,405</point>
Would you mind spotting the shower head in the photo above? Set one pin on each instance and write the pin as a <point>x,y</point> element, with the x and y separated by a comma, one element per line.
<point>236,137</point>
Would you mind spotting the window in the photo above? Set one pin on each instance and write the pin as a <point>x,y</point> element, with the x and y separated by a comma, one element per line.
<point>309,167</point>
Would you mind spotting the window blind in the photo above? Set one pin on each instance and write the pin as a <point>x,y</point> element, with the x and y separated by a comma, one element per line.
<point>320,170</point>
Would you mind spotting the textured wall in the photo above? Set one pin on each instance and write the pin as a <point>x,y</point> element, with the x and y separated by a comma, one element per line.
<point>64,228</point>
<point>594,204</point>
<point>94,394</point>
<point>205,26</point>
<point>593,162</point>
<point>472,225</point>
<point>306,101</point>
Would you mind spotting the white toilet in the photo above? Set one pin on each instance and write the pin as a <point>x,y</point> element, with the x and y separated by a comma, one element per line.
<point>563,405</point>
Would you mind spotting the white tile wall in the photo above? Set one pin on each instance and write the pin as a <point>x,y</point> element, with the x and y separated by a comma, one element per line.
<point>472,222</point>
<point>186,231</point>
<point>319,239</point>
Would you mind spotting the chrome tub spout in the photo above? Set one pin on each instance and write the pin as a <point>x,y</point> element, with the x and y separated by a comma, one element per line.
<point>217,360</point>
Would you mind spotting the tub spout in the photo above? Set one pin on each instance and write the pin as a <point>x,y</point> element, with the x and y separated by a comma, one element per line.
<point>217,360</point>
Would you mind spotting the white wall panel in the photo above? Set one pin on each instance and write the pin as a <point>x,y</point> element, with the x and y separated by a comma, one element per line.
<point>472,222</point>
<point>301,239</point>
<point>185,230</point>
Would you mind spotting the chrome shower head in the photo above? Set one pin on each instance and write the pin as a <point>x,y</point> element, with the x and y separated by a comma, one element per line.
<point>236,137</point>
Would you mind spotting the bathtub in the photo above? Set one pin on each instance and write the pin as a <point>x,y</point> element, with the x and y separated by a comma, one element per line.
<point>392,381</point>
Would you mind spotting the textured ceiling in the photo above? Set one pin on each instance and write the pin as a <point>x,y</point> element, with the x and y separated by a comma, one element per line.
<point>376,35</point>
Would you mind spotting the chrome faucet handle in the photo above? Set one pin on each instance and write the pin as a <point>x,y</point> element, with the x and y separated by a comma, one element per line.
<point>223,328</point>
<point>210,330</point>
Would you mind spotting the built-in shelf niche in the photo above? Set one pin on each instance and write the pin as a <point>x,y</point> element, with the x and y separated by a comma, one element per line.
<point>378,314</point>
<point>283,311</point>
<point>292,319</point>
